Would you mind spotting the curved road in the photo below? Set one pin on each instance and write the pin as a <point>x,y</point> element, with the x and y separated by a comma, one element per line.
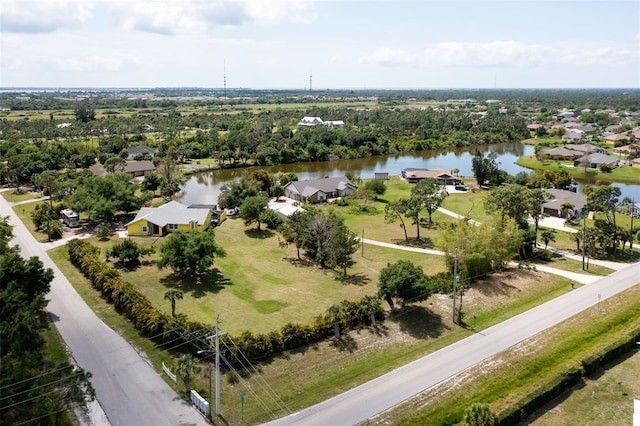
<point>389,390</point>
<point>128,389</point>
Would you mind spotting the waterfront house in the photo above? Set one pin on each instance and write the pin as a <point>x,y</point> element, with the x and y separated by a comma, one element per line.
<point>595,160</point>
<point>441,175</point>
<point>318,190</point>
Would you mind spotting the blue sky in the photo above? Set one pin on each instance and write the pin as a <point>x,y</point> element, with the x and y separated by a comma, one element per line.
<point>355,44</point>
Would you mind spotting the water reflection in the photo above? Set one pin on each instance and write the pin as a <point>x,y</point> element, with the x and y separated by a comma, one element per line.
<point>204,188</point>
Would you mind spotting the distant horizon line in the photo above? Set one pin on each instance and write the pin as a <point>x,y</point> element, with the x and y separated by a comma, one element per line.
<point>139,88</point>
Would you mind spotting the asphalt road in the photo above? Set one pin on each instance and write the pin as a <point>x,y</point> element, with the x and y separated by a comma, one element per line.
<point>129,390</point>
<point>383,393</point>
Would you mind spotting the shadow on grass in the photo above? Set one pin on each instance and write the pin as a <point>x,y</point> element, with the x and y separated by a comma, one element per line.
<point>495,287</point>
<point>211,281</point>
<point>303,263</point>
<point>414,242</point>
<point>355,279</point>
<point>344,343</point>
<point>259,234</point>
<point>419,322</point>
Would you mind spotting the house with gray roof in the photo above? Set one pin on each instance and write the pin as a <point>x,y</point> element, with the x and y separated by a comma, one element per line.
<point>586,148</point>
<point>595,160</point>
<point>554,207</point>
<point>561,152</point>
<point>318,190</point>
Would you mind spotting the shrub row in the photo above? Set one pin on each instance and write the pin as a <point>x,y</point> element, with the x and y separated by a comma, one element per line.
<point>541,396</point>
<point>189,335</point>
<point>610,353</point>
<point>536,400</point>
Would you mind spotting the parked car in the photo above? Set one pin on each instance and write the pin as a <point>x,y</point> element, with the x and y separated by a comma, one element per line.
<point>461,188</point>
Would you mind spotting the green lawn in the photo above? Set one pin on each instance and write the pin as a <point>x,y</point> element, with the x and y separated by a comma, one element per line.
<point>13,197</point>
<point>260,285</point>
<point>622,174</point>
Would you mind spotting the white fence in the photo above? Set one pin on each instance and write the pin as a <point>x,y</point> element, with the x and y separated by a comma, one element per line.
<point>200,403</point>
<point>169,373</point>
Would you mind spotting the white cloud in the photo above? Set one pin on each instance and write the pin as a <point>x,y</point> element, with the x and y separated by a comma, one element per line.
<point>485,54</point>
<point>391,57</point>
<point>504,53</point>
<point>92,63</point>
<point>197,16</point>
<point>39,16</point>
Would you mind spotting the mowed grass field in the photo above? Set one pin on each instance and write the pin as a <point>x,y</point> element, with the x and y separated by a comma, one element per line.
<point>261,285</point>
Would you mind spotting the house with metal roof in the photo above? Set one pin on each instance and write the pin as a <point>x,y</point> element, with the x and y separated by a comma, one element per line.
<point>170,217</point>
<point>318,190</point>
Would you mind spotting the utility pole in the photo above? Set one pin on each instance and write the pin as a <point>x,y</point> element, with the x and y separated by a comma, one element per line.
<point>633,211</point>
<point>584,236</point>
<point>455,281</point>
<point>218,363</point>
<point>362,241</point>
<point>217,349</point>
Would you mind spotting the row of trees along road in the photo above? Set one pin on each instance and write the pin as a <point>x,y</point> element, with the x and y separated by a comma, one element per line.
<point>35,388</point>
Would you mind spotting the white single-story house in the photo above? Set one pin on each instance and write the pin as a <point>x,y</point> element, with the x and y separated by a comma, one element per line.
<point>135,151</point>
<point>310,121</point>
<point>318,190</point>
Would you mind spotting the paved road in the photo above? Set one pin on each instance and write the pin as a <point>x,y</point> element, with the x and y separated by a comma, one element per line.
<point>129,390</point>
<point>383,393</point>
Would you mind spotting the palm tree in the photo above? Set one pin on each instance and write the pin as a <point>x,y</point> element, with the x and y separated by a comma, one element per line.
<point>186,367</point>
<point>173,294</point>
<point>371,304</point>
<point>565,208</point>
<point>337,314</point>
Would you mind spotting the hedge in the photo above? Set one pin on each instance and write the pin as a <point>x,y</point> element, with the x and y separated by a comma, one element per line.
<point>190,335</point>
<point>536,400</point>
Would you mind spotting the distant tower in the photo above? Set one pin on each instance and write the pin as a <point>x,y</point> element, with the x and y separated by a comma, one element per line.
<point>224,73</point>
<point>310,81</point>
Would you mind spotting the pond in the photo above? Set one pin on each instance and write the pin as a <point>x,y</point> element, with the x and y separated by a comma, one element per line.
<point>204,188</point>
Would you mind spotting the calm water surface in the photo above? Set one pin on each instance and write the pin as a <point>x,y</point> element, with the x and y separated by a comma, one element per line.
<point>204,188</point>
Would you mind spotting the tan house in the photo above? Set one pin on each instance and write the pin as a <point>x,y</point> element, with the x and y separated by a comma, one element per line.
<point>636,163</point>
<point>441,175</point>
<point>170,217</point>
<point>618,137</point>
